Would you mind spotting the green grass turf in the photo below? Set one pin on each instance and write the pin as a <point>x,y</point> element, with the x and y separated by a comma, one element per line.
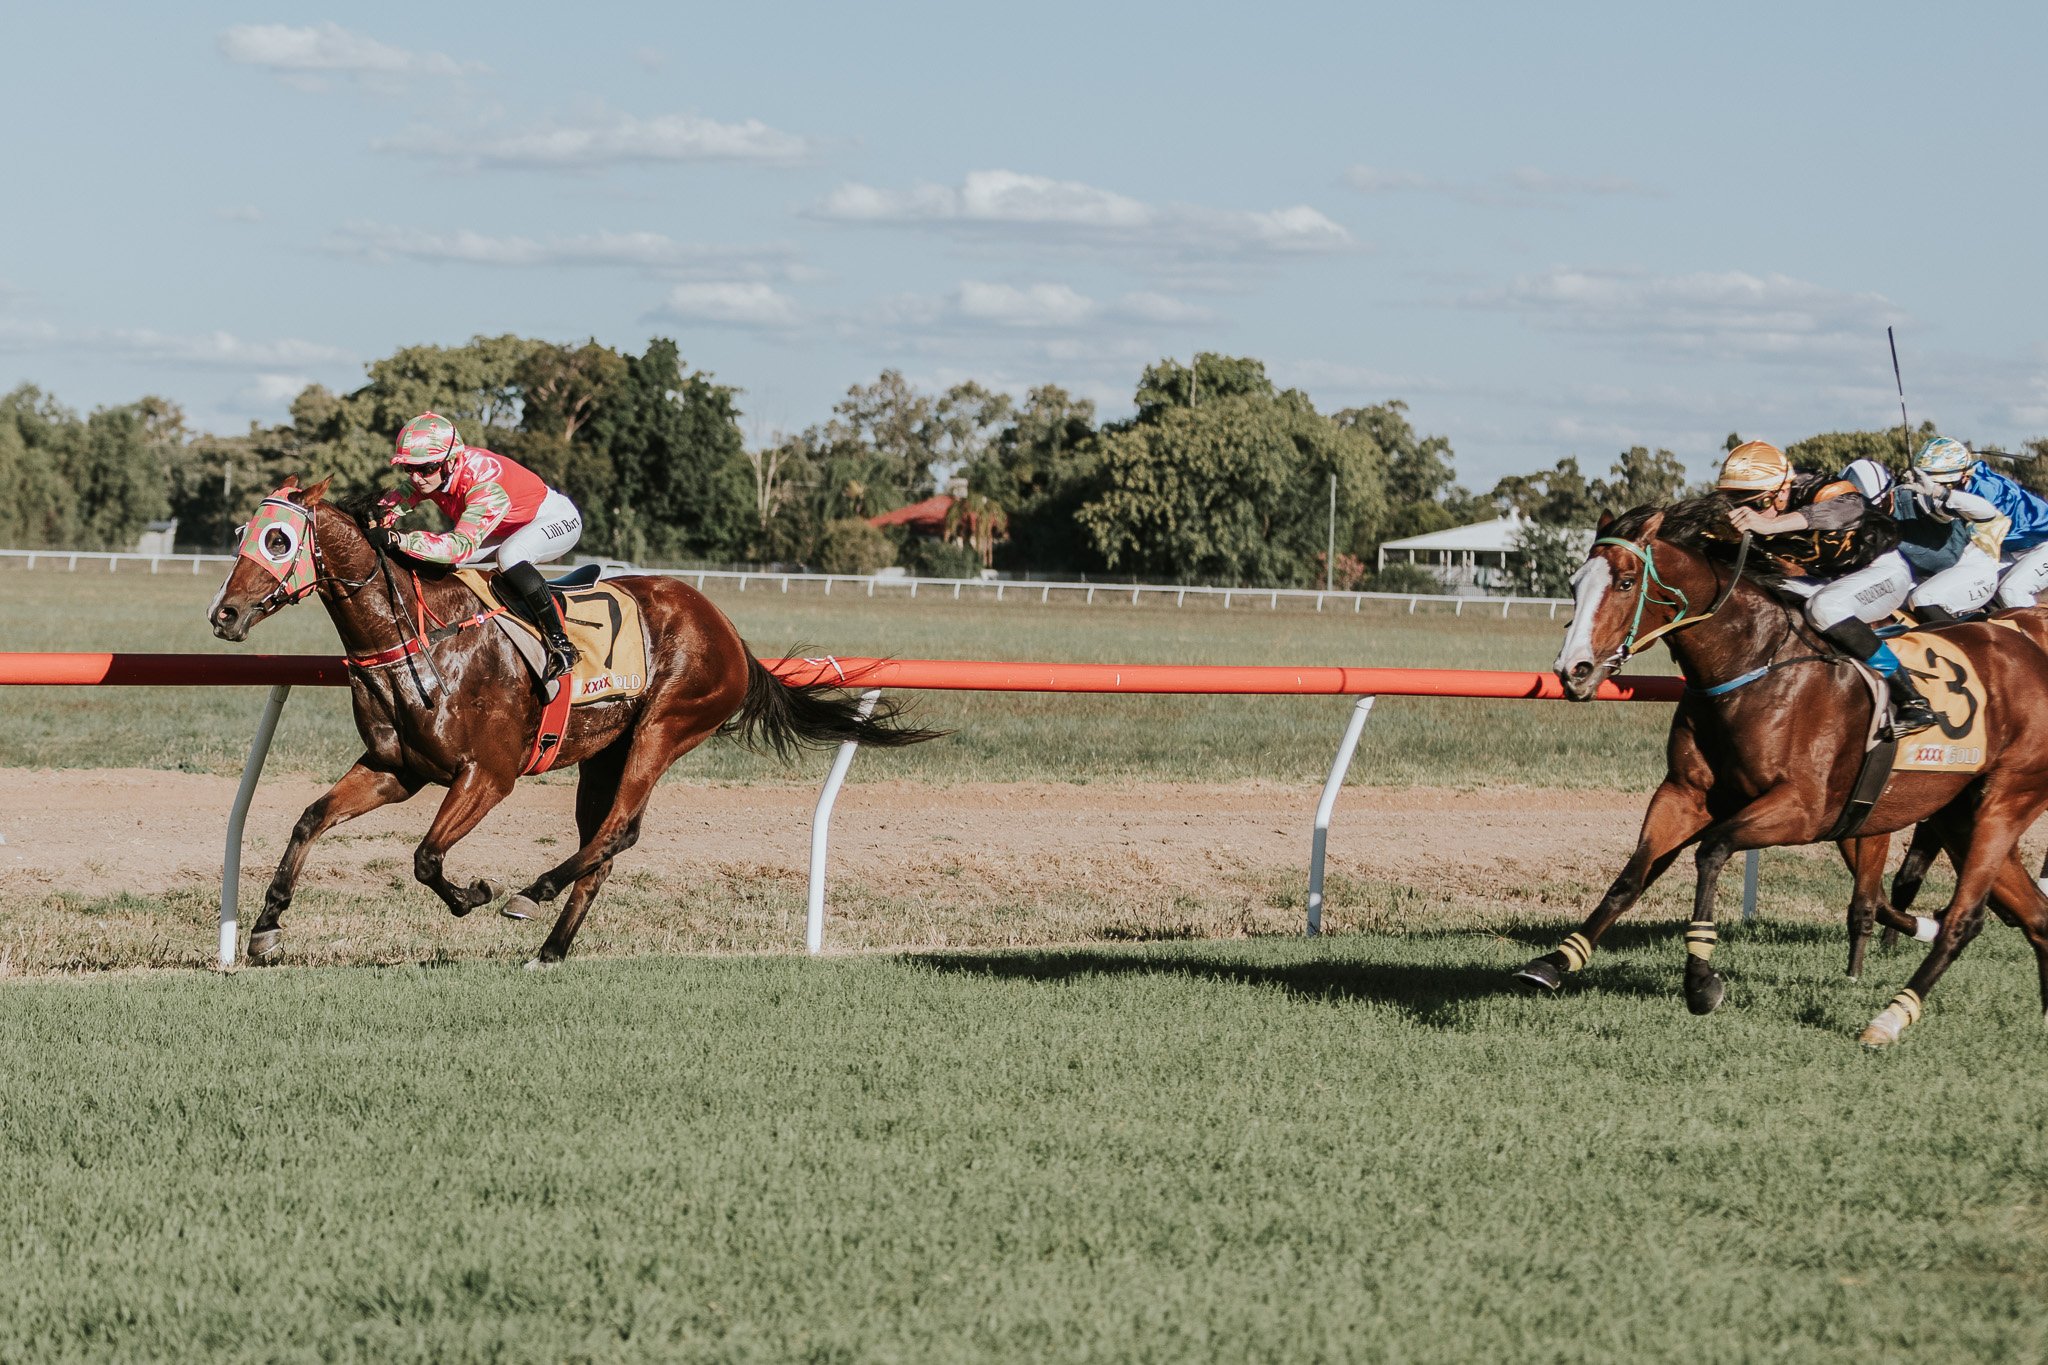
<point>998,737</point>
<point>1361,1148</point>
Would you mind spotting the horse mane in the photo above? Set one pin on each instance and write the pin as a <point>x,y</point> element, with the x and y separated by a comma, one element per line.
<point>1699,524</point>
<point>360,507</point>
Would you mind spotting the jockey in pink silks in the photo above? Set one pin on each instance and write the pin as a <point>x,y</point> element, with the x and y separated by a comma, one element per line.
<point>503,514</point>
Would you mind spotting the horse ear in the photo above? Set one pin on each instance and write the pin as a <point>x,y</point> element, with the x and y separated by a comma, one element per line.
<point>1653,525</point>
<point>1606,520</point>
<point>291,481</point>
<point>318,491</point>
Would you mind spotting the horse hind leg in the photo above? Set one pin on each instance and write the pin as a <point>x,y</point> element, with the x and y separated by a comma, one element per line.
<point>1920,856</point>
<point>473,794</point>
<point>361,790</point>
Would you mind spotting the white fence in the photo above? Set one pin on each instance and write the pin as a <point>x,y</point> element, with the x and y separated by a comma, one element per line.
<point>892,585</point>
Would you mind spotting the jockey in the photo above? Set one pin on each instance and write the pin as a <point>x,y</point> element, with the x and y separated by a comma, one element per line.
<point>501,510</point>
<point>1941,535</point>
<point>1949,463</point>
<point>1851,574</point>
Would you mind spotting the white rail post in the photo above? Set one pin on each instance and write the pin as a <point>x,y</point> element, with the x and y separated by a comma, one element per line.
<point>1749,863</point>
<point>231,865</point>
<point>821,830</point>
<point>1319,842</point>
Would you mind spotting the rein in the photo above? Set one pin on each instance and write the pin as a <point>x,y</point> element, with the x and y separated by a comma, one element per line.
<point>1631,644</point>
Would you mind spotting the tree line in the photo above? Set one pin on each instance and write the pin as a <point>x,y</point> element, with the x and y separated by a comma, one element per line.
<point>1219,476</point>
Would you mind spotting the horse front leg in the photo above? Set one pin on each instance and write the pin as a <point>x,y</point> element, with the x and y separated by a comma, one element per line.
<point>1865,858</point>
<point>1677,813</point>
<point>471,796</point>
<point>1782,815</point>
<point>361,789</point>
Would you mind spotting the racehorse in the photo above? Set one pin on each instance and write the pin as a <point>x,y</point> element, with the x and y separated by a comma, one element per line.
<point>1767,744</point>
<point>476,731</point>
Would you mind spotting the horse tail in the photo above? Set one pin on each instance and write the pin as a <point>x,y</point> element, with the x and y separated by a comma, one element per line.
<point>790,716</point>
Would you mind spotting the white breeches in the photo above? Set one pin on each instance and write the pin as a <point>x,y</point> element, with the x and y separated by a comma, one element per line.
<point>2026,579</point>
<point>1870,594</point>
<point>552,533</point>
<point>1962,587</point>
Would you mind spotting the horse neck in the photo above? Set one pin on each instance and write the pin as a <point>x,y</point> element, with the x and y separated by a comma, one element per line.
<point>367,618</point>
<point>1735,639</point>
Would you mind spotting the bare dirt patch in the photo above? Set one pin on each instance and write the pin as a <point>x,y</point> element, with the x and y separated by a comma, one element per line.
<point>139,832</point>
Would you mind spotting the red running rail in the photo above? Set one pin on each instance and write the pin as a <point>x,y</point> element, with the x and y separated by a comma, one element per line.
<point>965,675</point>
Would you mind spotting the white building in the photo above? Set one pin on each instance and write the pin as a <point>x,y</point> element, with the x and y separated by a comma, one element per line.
<point>1476,559</point>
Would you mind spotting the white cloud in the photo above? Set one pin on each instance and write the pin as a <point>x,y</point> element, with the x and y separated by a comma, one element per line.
<point>330,50</point>
<point>200,349</point>
<point>1033,207</point>
<point>270,392</point>
<point>1035,305</point>
<point>1525,185</point>
<point>649,251</point>
<point>1724,313</point>
<point>607,139</point>
<point>730,303</point>
<point>1148,306</point>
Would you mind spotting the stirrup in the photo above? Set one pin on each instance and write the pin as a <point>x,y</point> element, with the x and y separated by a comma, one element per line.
<point>561,662</point>
<point>1908,719</point>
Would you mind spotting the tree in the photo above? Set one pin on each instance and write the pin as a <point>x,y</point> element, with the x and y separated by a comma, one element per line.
<point>1422,495</point>
<point>1231,488</point>
<point>1832,451</point>
<point>1170,384</point>
<point>681,485</point>
<point>1639,478</point>
<point>980,521</point>
<point>1040,470</point>
<point>41,506</point>
<point>850,545</point>
<point>1549,557</point>
<point>1557,496</point>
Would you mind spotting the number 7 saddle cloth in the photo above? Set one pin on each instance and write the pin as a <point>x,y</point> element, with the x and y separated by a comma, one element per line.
<point>602,621</point>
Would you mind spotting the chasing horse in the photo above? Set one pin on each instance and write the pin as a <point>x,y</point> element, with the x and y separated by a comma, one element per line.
<point>1771,744</point>
<point>443,695</point>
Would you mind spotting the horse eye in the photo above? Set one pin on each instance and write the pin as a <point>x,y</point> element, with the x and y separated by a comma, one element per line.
<point>1626,584</point>
<point>276,542</point>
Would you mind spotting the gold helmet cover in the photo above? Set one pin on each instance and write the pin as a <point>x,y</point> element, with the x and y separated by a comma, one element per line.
<point>1754,467</point>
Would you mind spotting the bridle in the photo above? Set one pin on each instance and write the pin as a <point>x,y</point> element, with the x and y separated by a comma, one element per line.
<point>300,570</point>
<point>1681,604</point>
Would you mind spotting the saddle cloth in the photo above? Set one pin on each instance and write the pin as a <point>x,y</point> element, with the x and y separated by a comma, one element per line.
<point>1959,740</point>
<point>602,621</point>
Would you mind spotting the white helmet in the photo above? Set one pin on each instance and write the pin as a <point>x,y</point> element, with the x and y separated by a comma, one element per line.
<point>1872,479</point>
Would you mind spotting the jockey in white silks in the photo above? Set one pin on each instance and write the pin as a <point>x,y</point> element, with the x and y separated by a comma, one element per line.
<point>1943,537</point>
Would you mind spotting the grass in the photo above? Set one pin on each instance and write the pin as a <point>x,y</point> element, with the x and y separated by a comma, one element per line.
<point>998,737</point>
<point>1268,1150</point>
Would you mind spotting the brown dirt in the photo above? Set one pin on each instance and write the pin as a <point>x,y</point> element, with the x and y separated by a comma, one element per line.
<point>103,832</point>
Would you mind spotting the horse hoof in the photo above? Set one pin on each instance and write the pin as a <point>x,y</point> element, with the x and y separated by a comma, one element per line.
<point>489,890</point>
<point>266,947</point>
<point>519,907</point>
<point>1705,994</point>
<point>536,965</point>
<point>1877,1034</point>
<point>1540,977</point>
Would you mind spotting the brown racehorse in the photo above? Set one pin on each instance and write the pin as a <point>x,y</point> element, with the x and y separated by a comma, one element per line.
<point>1866,857</point>
<point>475,731</point>
<point>1772,761</point>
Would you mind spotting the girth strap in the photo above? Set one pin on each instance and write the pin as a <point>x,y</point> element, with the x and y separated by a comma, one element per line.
<point>1870,785</point>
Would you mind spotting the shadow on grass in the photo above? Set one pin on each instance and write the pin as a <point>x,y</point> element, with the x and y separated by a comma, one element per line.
<point>1429,992</point>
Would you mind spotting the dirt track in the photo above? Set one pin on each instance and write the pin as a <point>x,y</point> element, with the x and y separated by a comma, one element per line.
<point>102,832</point>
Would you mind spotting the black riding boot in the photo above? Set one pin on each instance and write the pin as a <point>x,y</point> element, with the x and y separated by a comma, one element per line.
<point>1934,616</point>
<point>532,590</point>
<point>1910,711</point>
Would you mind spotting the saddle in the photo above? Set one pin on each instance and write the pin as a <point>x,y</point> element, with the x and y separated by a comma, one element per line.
<point>1959,741</point>
<point>603,622</point>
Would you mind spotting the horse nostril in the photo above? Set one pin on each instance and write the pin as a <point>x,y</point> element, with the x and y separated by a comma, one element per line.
<point>1581,669</point>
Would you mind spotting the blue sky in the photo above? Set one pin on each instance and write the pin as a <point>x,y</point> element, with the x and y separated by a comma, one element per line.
<point>1552,230</point>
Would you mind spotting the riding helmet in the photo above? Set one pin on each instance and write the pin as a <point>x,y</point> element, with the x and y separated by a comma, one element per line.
<point>427,439</point>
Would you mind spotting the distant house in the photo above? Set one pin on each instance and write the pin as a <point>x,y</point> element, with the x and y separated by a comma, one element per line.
<point>1475,559</point>
<point>157,538</point>
<point>927,518</point>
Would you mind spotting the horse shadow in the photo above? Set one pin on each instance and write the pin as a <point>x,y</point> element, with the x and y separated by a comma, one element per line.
<point>1432,994</point>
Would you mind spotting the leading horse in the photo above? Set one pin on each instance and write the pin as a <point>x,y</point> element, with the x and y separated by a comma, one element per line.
<point>458,706</point>
<point>1767,744</point>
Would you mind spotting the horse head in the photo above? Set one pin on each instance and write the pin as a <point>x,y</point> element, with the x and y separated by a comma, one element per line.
<point>276,562</point>
<point>1623,599</point>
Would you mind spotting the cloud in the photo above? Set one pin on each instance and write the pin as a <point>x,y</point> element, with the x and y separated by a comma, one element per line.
<point>305,54</point>
<point>270,392</point>
<point>984,306</point>
<point>239,213</point>
<point>1013,205</point>
<point>607,139</point>
<point>648,251</point>
<point>205,350</point>
<point>730,303</point>
<point>1726,313</point>
<point>1524,186</point>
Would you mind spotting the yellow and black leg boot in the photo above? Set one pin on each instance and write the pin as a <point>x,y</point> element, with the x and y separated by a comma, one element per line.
<point>532,590</point>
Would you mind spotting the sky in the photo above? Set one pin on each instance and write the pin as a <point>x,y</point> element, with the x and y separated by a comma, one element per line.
<point>1551,230</point>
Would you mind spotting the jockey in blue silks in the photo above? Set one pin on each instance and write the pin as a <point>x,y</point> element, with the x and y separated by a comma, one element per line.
<point>1944,462</point>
